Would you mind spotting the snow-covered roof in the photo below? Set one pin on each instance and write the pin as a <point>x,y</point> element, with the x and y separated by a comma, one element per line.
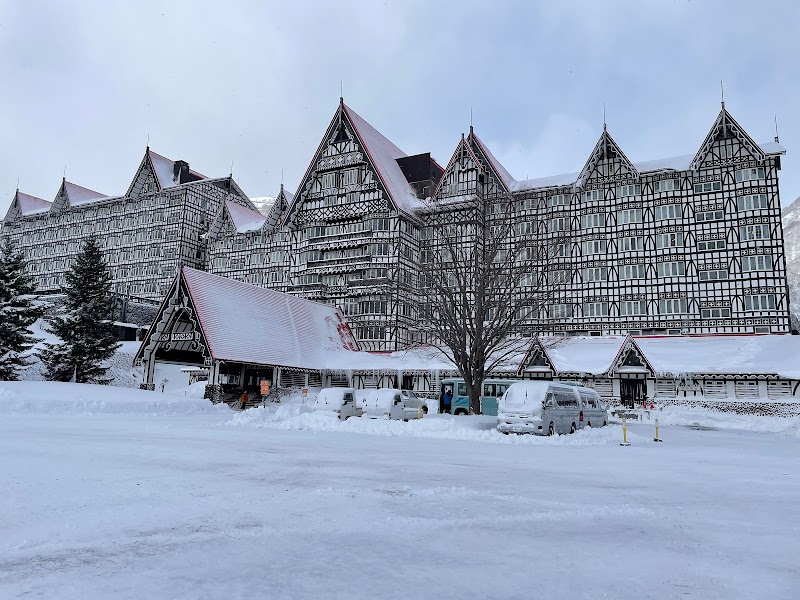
<point>724,354</point>
<point>244,219</point>
<point>673,163</point>
<point>501,171</point>
<point>384,155</point>
<point>582,354</point>
<point>250,324</point>
<point>31,205</point>
<point>164,169</point>
<point>264,204</point>
<point>78,194</point>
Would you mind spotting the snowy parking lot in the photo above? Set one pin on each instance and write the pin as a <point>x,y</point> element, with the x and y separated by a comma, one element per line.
<point>120,493</point>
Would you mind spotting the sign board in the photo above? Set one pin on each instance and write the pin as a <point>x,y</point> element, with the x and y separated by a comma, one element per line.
<point>265,387</point>
<point>304,392</point>
<point>179,336</point>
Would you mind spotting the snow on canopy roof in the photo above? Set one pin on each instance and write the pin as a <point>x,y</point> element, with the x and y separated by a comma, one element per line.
<point>80,195</point>
<point>165,169</point>
<point>384,155</point>
<point>724,354</point>
<point>501,171</point>
<point>583,354</point>
<point>249,324</point>
<point>244,219</point>
<point>31,205</point>
<point>673,163</point>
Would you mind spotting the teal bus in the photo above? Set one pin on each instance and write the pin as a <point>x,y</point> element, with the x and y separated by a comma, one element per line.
<point>459,405</point>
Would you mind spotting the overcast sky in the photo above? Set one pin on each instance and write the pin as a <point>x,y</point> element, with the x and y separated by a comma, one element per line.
<point>254,83</point>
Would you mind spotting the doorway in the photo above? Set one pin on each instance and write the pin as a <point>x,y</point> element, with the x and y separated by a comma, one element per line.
<point>632,392</point>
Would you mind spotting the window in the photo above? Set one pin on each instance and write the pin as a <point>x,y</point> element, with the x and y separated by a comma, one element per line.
<point>373,307</point>
<point>669,240</point>
<point>595,274</point>
<point>593,220</point>
<point>760,302</point>
<point>595,309</point>
<point>667,185</point>
<point>561,311</point>
<point>760,262</point>
<point>558,200</point>
<point>630,215</point>
<point>631,244</point>
<point>308,279</point>
<point>328,181</point>
<point>594,247</point>
<point>709,215</point>
<point>562,250</point>
<point>381,224</point>
<point>561,276</point>
<point>526,228</point>
<point>593,195</point>
<point>713,275</point>
<point>751,174</point>
<point>707,245</point>
<point>633,307</point>
<point>559,224</point>
<point>276,276</point>
<point>671,269</point>
<point>632,271</point>
<point>672,306</point>
<point>380,249</point>
<point>715,313</point>
<point>754,232</point>
<point>668,211</point>
<point>374,332</point>
<point>707,186</point>
<point>629,190</point>
<point>752,202</point>
<point>352,177</point>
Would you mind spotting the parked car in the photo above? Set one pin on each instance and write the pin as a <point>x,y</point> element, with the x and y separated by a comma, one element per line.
<point>386,403</point>
<point>340,400</point>
<point>411,400</point>
<point>543,407</point>
<point>594,411</point>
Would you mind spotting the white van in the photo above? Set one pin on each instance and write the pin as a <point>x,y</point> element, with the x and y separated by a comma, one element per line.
<point>594,413</point>
<point>339,400</point>
<point>542,407</point>
<point>387,403</point>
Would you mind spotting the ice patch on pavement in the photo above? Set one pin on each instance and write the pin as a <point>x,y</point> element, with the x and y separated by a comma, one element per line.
<point>708,419</point>
<point>51,397</point>
<point>481,429</point>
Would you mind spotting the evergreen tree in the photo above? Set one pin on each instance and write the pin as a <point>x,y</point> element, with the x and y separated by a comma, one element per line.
<point>18,311</point>
<point>85,331</point>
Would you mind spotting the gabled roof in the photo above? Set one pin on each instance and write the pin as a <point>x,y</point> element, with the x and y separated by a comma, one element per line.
<point>164,169</point>
<point>31,205</point>
<point>600,153</point>
<point>583,354</point>
<point>726,123</point>
<point>78,195</point>
<point>462,148</point>
<point>245,323</point>
<point>243,218</point>
<point>502,174</point>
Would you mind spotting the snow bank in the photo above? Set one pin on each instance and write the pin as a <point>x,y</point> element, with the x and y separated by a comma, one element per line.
<point>480,429</point>
<point>701,418</point>
<point>50,397</point>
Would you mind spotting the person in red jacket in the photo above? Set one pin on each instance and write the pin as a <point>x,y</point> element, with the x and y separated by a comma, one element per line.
<point>244,399</point>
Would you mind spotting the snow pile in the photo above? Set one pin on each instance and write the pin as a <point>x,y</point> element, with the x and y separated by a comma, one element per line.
<point>709,419</point>
<point>50,397</point>
<point>479,429</point>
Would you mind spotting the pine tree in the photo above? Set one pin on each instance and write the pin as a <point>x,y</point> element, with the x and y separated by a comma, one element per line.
<point>19,310</point>
<point>86,333</point>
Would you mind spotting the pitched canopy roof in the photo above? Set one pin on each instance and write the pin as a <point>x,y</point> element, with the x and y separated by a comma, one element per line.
<point>78,194</point>
<point>250,324</point>
<point>31,205</point>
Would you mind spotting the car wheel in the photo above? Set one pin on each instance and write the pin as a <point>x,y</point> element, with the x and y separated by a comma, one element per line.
<point>604,423</point>
<point>425,410</point>
<point>551,430</point>
<point>460,411</point>
<point>572,428</point>
<point>588,423</point>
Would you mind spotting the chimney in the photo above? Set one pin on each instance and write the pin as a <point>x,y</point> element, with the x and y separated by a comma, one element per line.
<point>180,172</point>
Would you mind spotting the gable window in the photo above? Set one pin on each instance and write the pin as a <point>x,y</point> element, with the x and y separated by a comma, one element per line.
<point>760,262</point>
<point>667,185</point>
<point>752,202</point>
<point>351,176</point>
<point>751,174</point>
<point>707,186</point>
<point>328,181</point>
<point>633,189</point>
<point>754,232</point>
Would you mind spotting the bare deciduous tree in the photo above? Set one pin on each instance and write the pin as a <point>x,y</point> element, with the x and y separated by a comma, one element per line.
<point>487,280</point>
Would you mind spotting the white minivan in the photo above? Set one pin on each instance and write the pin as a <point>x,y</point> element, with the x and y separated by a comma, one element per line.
<point>544,407</point>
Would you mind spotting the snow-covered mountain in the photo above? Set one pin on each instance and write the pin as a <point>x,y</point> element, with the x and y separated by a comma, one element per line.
<point>263,203</point>
<point>791,235</point>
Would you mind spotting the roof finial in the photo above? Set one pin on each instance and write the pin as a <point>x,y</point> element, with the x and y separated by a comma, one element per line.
<point>18,180</point>
<point>470,119</point>
<point>148,140</point>
<point>604,116</point>
<point>64,176</point>
<point>231,167</point>
<point>776,129</point>
<point>281,178</point>
<point>722,91</point>
<point>341,91</point>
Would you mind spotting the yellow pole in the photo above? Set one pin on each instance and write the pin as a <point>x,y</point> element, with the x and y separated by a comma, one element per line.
<point>625,441</point>
<point>657,439</point>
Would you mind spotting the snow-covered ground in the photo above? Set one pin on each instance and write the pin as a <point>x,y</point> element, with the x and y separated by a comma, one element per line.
<point>112,493</point>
